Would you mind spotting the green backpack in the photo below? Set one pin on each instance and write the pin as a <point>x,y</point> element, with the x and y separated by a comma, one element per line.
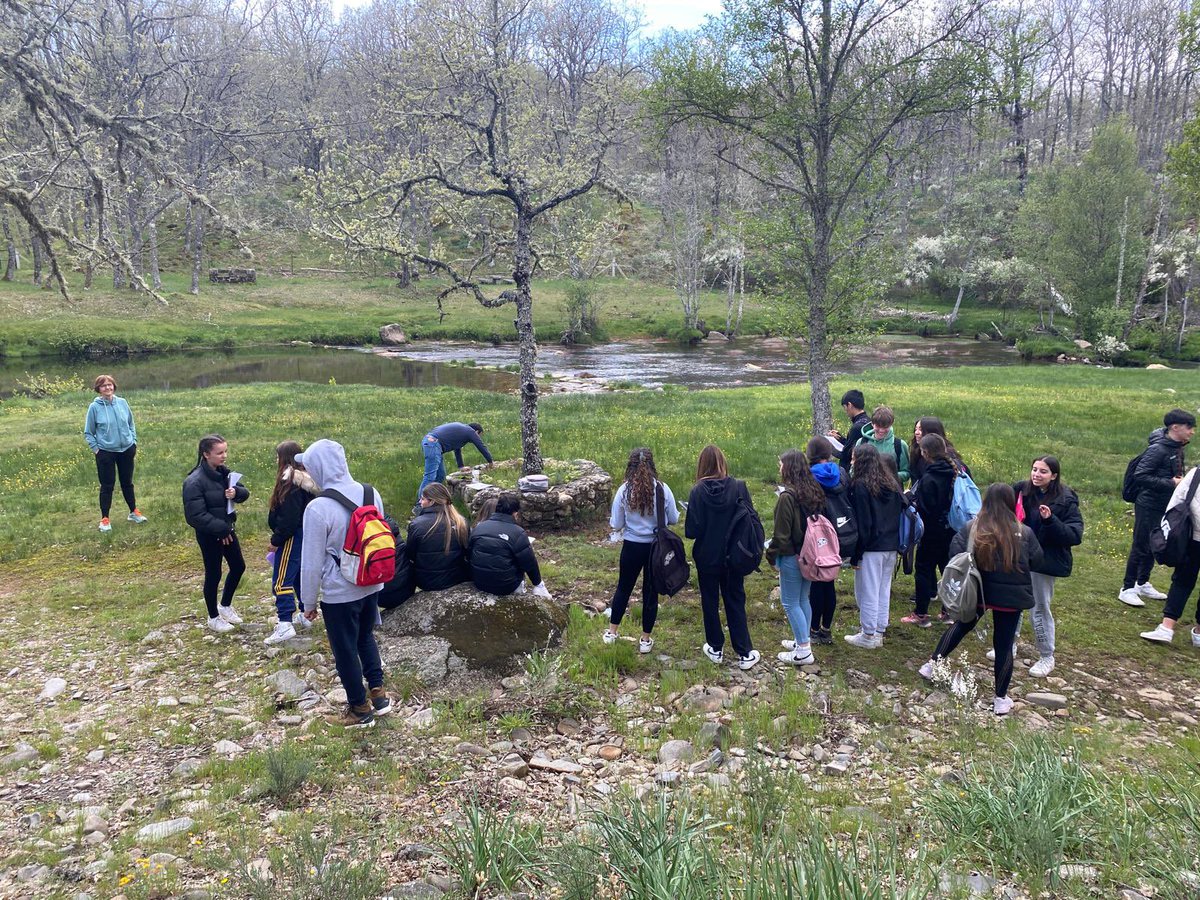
<point>961,589</point>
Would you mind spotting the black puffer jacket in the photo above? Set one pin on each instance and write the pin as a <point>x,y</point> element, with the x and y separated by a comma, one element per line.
<point>934,493</point>
<point>878,522</point>
<point>501,555</point>
<point>1057,534</point>
<point>434,568</point>
<point>711,506</point>
<point>204,502</point>
<point>1155,475</point>
<point>1006,590</point>
<point>285,519</point>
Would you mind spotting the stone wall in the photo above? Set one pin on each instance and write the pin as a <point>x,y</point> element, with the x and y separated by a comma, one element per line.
<point>588,496</point>
<point>232,276</point>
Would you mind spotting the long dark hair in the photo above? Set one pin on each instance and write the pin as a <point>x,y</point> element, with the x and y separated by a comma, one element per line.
<point>931,425</point>
<point>207,443</point>
<point>640,476</point>
<point>819,450</point>
<point>798,480</point>
<point>285,454</point>
<point>869,471</point>
<point>934,447</point>
<point>1055,488</point>
<point>997,533</point>
<point>447,516</point>
<point>711,464</point>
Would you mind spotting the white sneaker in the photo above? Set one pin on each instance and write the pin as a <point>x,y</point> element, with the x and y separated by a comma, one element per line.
<point>1195,638</point>
<point>865,641</point>
<point>1146,589</point>
<point>219,625</point>
<point>229,614</point>
<point>1042,667</point>
<point>645,645</point>
<point>1129,596</point>
<point>1002,706</point>
<point>301,622</point>
<point>607,612</point>
<point>788,645</point>
<point>717,656</point>
<point>746,663</point>
<point>991,654</point>
<point>797,657</point>
<point>284,631</point>
<point>1162,635</point>
<point>609,637</point>
<point>926,670</point>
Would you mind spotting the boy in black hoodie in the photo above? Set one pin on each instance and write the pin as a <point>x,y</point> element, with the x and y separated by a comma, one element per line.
<point>854,405</point>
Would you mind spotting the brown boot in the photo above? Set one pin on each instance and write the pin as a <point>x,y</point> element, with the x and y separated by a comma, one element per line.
<point>381,703</point>
<point>353,717</point>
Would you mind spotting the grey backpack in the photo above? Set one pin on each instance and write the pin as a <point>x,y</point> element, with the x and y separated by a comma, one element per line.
<point>961,589</point>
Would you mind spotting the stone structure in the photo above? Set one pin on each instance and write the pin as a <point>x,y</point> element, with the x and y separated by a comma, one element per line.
<point>441,635</point>
<point>232,276</point>
<point>588,496</point>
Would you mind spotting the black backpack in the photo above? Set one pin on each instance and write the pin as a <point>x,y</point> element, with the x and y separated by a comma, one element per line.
<point>669,569</point>
<point>1169,541</point>
<point>744,540</point>
<point>840,511</point>
<point>1129,488</point>
<point>402,586</point>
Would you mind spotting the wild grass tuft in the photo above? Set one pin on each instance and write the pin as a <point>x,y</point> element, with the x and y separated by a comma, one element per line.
<point>311,868</point>
<point>285,771</point>
<point>487,853</point>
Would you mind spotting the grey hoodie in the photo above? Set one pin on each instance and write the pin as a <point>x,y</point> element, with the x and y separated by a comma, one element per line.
<point>325,523</point>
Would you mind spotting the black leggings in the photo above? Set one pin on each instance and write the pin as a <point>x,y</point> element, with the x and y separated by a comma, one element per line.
<point>213,551</point>
<point>932,555</point>
<point>635,560</point>
<point>822,596</point>
<point>109,464</point>
<point>1007,622</point>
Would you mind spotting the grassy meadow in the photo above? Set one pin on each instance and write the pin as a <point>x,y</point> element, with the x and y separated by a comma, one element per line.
<point>1110,788</point>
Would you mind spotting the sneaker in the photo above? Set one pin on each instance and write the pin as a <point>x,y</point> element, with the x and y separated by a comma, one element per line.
<point>1042,667</point>
<point>229,614</point>
<point>991,654</point>
<point>789,645</point>
<point>823,636</point>
<point>381,703</point>
<point>1002,706</point>
<point>865,641</point>
<point>300,622</point>
<point>746,663</point>
<point>944,618</point>
<point>219,625</point>
<point>609,637</point>
<point>717,656</point>
<point>1146,589</point>
<point>284,631</point>
<point>105,525</point>
<point>645,645</point>
<point>1162,634</point>
<point>353,717</point>
<point>926,670</point>
<point>607,613</point>
<point>797,657</point>
<point>136,517</point>
<point>1195,638</point>
<point>1129,596</point>
<point>918,620</point>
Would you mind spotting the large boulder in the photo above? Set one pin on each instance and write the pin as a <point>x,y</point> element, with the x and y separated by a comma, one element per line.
<point>440,634</point>
<point>392,335</point>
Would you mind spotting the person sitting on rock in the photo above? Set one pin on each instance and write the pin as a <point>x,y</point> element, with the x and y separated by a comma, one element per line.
<point>500,553</point>
<point>437,541</point>
<point>448,438</point>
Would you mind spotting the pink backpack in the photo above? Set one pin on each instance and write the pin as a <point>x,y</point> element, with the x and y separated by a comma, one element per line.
<point>820,557</point>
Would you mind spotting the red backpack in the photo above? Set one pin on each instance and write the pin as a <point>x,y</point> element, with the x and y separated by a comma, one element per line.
<point>820,556</point>
<point>369,551</point>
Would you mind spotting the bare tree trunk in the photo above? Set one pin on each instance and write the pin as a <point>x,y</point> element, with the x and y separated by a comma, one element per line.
<point>10,247</point>
<point>35,246</point>
<point>89,236</point>
<point>1121,262</point>
<point>187,231</point>
<point>197,232</point>
<point>137,243</point>
<point>1187,290</point>
<point>152,242</point>
<point>527,343</point>
<point>957,303</point>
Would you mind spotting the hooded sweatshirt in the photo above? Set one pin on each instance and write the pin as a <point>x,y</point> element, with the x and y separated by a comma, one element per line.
<point>828,474</point>
<point>889,446</point>
<point>109,426</point>
<point>709,515</point>
<point>325,523</point>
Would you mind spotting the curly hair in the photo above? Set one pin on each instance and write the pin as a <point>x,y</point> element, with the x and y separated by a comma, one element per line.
<point>797,478</point>
<point>640,478</point>
<point>870,471</point>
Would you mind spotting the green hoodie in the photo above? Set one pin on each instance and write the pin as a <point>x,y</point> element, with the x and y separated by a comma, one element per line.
<point>889,446</point>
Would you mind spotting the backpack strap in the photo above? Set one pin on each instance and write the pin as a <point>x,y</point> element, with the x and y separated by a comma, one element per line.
<point>896,448</point>
<point>341,498</point>
<point>369,496</point>
<point>660,503</point>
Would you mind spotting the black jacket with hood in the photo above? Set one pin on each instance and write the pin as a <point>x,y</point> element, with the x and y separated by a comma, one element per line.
<point>878,521</point>
<point>434,568</point>
<point>1006,590</point>
<point>501,555</point>
<point>853,436</point>
<point>711,506</point>
<point>1057,534</point>
<point>204,502</point>
<point>285,519</point>
<point>1155,474</point>
<point>934,492</point>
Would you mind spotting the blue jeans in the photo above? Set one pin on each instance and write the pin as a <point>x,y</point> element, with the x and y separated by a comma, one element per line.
<point>351,631</point>
<point>435,465</point>
<point>793,594</point>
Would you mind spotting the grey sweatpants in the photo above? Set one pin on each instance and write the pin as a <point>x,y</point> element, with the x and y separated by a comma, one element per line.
<point>873,590</point>
<point>1043,619</point>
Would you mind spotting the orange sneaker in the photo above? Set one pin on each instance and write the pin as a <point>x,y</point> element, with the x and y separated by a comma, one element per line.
<point>105,525</point>
<point>136,517</point>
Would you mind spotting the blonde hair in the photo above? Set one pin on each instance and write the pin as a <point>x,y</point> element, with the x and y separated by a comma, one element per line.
<point>448,517</point>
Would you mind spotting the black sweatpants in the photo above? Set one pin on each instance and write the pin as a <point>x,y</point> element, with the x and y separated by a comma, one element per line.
<point>822,596</point>
<point>635,560</point>
<point>350,628</point>
<point>713,587</point>
<point>1006,624</point>
<point>1141,560</point>
<point>109,464</point>
<point>932,555</point>
<point>213,551</point>
<point>1183,582</point>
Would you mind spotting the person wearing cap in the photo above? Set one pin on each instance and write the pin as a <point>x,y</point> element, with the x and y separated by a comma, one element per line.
<point>449,438</point>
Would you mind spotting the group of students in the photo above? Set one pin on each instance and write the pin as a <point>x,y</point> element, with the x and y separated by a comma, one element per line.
<point>1021,540</point>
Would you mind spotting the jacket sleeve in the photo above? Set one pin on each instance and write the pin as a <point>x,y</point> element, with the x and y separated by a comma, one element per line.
<point>288,518</point>
<point>693,525</point>
<point>1065,530</point>
<point>479,445</point>
<point>865,516</point>
<point>312,556</point>
<point>241,493</point>
<point>89,428</point>
<point>958,544</point>
<point>1146,474</point>
<point>196,514</point>
<point>1032,547</point>
<point>527,560</point>
<point>410,543</point>
<point>671,507</point>
<point>782,532</point>
<point>129,418</point>
<point>902,463</point>
<point>616,518</point>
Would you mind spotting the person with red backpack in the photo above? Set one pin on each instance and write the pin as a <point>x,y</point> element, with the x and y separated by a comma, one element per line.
<point>799,498</point>
<point>350,604</point>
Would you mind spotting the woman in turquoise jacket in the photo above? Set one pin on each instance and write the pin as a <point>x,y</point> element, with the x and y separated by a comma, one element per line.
<point>112,438</point>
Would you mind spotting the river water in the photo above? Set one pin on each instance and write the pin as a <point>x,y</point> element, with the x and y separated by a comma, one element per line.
<point>746,362</point>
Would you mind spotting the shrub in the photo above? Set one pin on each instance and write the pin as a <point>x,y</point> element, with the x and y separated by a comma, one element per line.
<point>43,385</point>
<point>286,772</point>
<point>307,869</point>
<point>487,852</point>
<point>582,308</point>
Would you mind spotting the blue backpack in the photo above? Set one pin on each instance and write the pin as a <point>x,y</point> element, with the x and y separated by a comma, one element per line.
<point>912,529</point>
<point>965,503</point>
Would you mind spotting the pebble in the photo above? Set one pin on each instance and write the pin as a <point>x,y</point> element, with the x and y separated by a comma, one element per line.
<point>1083,873</point>
<point>1156,695</point>
<point>562,766</point>
<point>30,821</point>
<point>468,749</point>
<point>521,735</point>
<point>514,766</point>
<point>413,890</point>
<point>1047,700</point>
<point>609,752</point>
<point>836,767</point>
<point>675,751</point>
<point>567,727</point>
<point>227,748</point>
<point>423,718</point>
<point>289,684</point>
<point>167,701</point>
<point>705,699</point>
<point>95,756</point>
<point>158,831</point>
<point>337,696</point>
<point>154,637</point>
<point>190,700</point>
<point>289,720</point>
<point>52,688</point>
<point>187,768</point>
<point>714,734</point>
<point>22,753</point>
<point>32,872</point>
<point>94,823</point>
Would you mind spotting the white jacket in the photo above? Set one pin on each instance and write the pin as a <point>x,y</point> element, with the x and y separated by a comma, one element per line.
<point>1180,496</point>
